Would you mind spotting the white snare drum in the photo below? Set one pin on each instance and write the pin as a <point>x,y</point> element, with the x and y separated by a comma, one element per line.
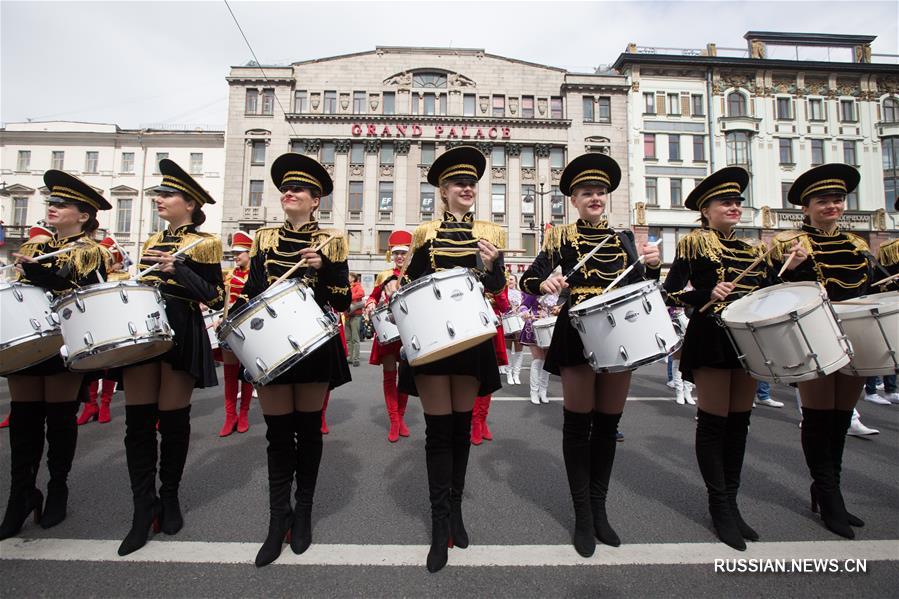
<point>441,315</point>
<point>787,333</point>
<point>625,328</point>
<point>112,324</point>
<point>385,329</point>
<point>543,331</point>
<point>29,333</point>
<point>513,324</point>
<point>680,322</point>
<point>209,318</point>
<point>874,333</point>
<point>277,329</point>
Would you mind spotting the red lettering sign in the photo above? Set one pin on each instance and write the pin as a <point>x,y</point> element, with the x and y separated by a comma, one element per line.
<point>452,132</point>
<point>507,133</point>
<point>385,132</point>
<point>401,130</point>
<point>479,134</point>
<point>491,133</point>
<point>357,130</point>
<point>416,131</point>
<point>372,131</point>
<point>464,131</point>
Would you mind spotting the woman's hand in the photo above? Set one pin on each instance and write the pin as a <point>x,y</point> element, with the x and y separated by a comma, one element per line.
<point>165,260</point>
<point>799,257</point>
<point>488,253</point>
<point>554,284</point>
<point>722,290</point>
<point>650,253</point>
<point>312,258</point>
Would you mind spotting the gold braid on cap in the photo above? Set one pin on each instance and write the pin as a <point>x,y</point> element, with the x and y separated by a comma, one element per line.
<point>170,181</point>
<point>456,170</point>
<point>824,185</point>
<point>300,177</point>
<point>68,193</point>
<point>729,188</point>
<point>591,174</point>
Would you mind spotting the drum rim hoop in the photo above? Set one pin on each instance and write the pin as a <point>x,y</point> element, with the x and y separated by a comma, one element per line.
<point>287,363</point>
<point>449,273</point>
<point>235,319</point>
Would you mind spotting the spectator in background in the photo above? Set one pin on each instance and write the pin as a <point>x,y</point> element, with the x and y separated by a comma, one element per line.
<point>354,318</point>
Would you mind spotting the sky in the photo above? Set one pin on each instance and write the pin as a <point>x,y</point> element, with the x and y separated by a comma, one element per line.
<point>140,64</point>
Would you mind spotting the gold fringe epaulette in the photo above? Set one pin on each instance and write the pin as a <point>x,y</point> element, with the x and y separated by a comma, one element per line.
<point>30,248</point>
<point>383,276</point>
<point>208,251</point>
<point>558,236</point>
<point>700,243</point>
<point>489,231</point>
<point>84,259</point>
<point>888,254</point>
<point>424,233</point>
<point>118,276</point>
<point>337,250</point>
<point>784,240</point>
<point>265,239</point>
<point>152,240</point>
<point>859,243</point>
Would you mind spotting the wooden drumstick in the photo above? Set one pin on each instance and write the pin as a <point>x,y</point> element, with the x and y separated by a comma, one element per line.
<point>783,268</point>
<point>740,276</point>
<point>640,260</point>
<point>886,280</point>
<point>301,263</point>
<point>43,257</point>
<point>178,253</point>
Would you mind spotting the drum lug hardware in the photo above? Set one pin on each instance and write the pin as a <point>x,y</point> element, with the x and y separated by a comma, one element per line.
<point>79,303</point>
<point>470,282</point>
<point>485,320</point>
<point>403,306</point>
<point>611,318</point>
<point>53,319</point>
<point>88,339</point>
<point>301,293</point>
<point>436,290</point>
<point>123,294</point>
<point>261,365</point>
<point>35,324</point>
<point>579,325</point>
<point>158,295</point>
<point>132,329</point>
<point>18,294</point>
<point>50,297</point>
<point>271,311</point>
<point>64,352</point>
<point>623,352</point>
<point>293,342</point>
<point>450,329</point>
<point>239,334</point>
<point>661,342</point>
<point>647,305</point>
<point>415,344</point>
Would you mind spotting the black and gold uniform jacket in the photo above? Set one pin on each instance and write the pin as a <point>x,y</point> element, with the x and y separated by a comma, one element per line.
<point>449,243</point>
<point>84,265</point>
<point>564,246</point>
<point>707,257</point>
<point>888,258</point>
<point>840,261</point>
<point>276,249</point>
<point>198,275</point>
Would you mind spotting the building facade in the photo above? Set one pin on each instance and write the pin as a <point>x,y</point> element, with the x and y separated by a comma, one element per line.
<point>378,119</point>
<point>785,103</point>
<point>120,163</point>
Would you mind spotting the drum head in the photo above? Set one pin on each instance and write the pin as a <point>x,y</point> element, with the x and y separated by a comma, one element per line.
<point>545,322</point>
<point>28,353</point>
<point>885,303</point>
<point>773,302</point>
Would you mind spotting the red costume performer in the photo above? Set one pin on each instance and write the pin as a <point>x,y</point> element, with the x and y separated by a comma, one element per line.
<point>388,355</point>
<point>479,429</point>
<point>234,282</point>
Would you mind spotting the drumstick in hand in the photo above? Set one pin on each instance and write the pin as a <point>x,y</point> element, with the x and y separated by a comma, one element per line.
<point>886,280</point>
<point>301,263</point>
<point>178,253</point>
<point>42,257</point>
<point>741,275</point>
<point>783,268</point>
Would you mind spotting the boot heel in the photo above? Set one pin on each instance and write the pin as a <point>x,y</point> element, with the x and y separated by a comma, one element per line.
<point>449,543</point>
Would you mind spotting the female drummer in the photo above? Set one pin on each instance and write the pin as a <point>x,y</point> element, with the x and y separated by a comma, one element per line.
<point>48,391</point>
<point>448,387</point>
<point>387,355</point>
<point>292,403</point>
<point>591,401</point>
<point>842,263</point>
<point>513,343</point>
<point>710,258</point>
<point>159,389</point>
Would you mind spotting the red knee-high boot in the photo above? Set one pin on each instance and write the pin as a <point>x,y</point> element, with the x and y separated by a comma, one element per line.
<point>401,400</point>
<point>243,416</point>
<point>231,384</point>
<point>325,430</point>
<point>105,400</point>
<point>485,408</point>
<point>393,434</point>
<point>477,435</point>
<point>90,410</point>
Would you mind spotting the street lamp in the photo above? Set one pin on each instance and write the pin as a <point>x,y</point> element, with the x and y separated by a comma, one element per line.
<point>538,212</point>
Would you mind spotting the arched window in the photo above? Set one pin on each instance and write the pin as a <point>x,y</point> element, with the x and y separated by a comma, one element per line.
<point>428,79</point>
<point>736,104</point>
<point>890,110</point>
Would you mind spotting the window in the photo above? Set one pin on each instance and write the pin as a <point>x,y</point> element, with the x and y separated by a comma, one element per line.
<point>817,151</point>
<point>498,156</point>
<point>20,212</point>
<point>468,105</point>
<point>268,101</point>
<point>673,105</point>
<point>736,104</point>
<point>696,105</point>
<point>527,157</point>
<point>847,111</point>
<point>385,196</point>
<point>354,203</point>
<point>649,145</point>
<point>326,206</point>
<point>557,157</point>
<point>588,109</point>
<point>698,148</point>
<point>529,244</point>
<point>674,147</point>
<point>328,149</point>
<point>123,216</point>
<point>357,154</point>
<point>430,104</point>
<point>383,238</point>
<point>160,156</point>
<point>426,195</point>
<point>257,153</point>
<point>786,151</point>
<point>556,205</point>
<point>890,149</point>
<point>427,153</point>
<point>676,192</point>
<point>386,153</point>
<point>300,101</point>
<point>252,102</point>
<point>127,162</point>
<point>498,198</point>
<point>784,109</point>
<point>890,110</point>
<point>57,159</point>
<point>256,189</point>
<point>816,109</point>
<point>499,106</point>
<point>849,153</point>
<point>649,103</point>
<point>196,163</point>
<point>359,103</point>
<point>527,107</point>
<point>738,148</point>
<point>330,105</point>
<point>427,79</point>
<point>296,146</point>
<point>852,200</point>
<point>442,104</point>
<point>604,110</point>
<point>785,192</point>
<point>92,159</point>
<point>555,108</point>
<point>24,161</point>
<point>528,202</point>
<point>415,99</point>
<point>652,191</point>
<point>354,240</point>
<point>389,101</point>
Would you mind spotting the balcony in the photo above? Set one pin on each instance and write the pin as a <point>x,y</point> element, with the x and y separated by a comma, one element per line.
<point>739,123</point>
<point>16,232</point>
<point>887,128</point>
<point>252,214</point>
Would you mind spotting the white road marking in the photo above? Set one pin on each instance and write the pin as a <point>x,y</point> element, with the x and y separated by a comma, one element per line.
<point>554,398</point>
<point>196,552</point>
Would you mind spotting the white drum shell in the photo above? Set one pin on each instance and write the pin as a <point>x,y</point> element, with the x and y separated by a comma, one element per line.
<point>442,314</point>
<point>209,318</point>
<point>625,328</point>
<point>543,331</point>
<point>874,334</point>
<point>787,333</point>
<point>513,324</point>
<point>29,333</point>
<point>275,330</point>
<point>385,329</point>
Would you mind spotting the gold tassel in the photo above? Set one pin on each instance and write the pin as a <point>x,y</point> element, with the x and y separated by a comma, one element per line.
<point>888,255</point>
<point>784,240</point>
<point>30,248</point>
<point>489,231</point>
<point>559,236</point>
<point>209,251</point>
<point>337,250</point>
<point>265,239</point>
<point>84,259</point>
<point>700,243</point>
<point>424,233</point>
<point>859,243</point>
<point>154,239</point>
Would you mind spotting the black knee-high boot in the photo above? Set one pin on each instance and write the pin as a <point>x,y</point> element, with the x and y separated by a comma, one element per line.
<point>141,454</point>
<point>461,448</point>
<point>602,447</point>
<point>734,450</point>
<point>439,460</point>
<point>711,431</point>
<point>26,444</point>
<point>62,437</point>
<point>816,445</point>
<point>841,421</point>
<point>282,457</point>
<point>308,427</point>
<point>576,452</point>
<point>174,441</point>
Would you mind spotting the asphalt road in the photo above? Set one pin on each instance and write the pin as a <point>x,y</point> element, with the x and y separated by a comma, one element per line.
<point>372,524</point>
